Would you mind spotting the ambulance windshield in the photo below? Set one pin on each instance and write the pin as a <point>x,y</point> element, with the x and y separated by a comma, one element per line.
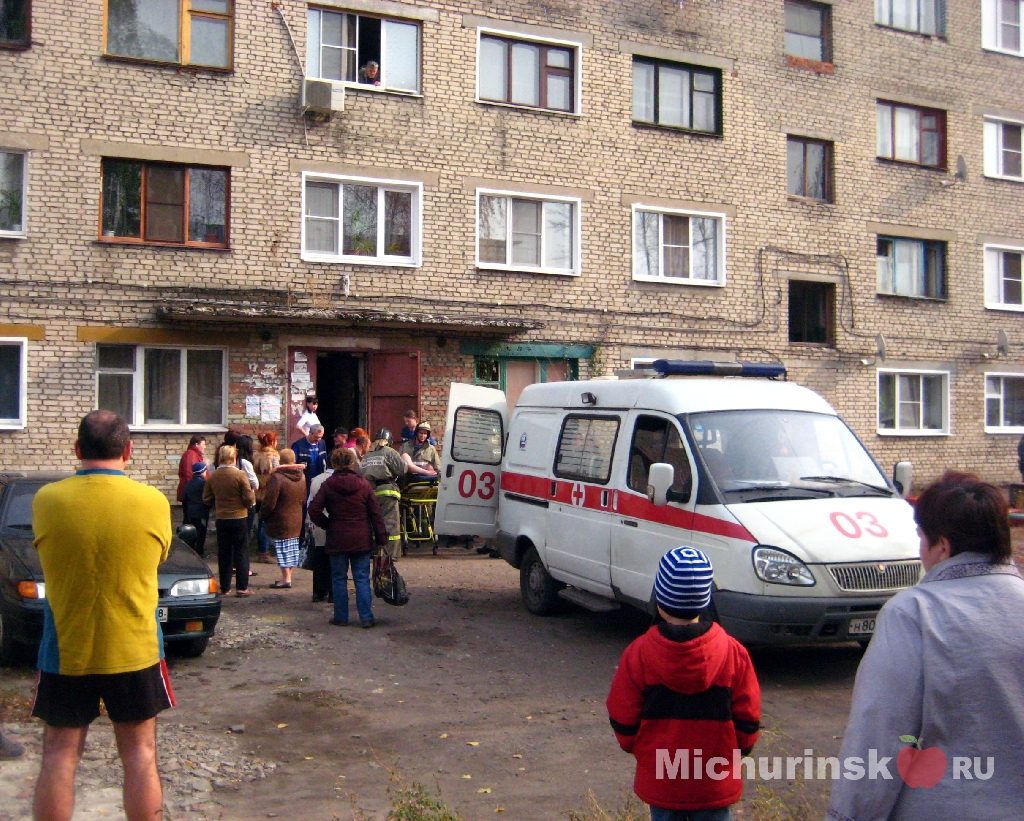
<point>787,451</point>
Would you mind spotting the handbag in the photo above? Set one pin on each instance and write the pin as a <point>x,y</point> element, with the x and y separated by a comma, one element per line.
<point>387,582</point>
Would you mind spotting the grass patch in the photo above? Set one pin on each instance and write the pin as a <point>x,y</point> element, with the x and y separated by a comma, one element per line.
<point>414,802</point>
<point>632,810</point>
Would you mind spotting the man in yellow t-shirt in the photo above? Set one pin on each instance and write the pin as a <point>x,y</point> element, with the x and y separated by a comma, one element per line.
<point>101,537</point>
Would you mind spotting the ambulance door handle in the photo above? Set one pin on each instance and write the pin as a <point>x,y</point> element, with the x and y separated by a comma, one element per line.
<point>630,523</point>
<point>448,473</point>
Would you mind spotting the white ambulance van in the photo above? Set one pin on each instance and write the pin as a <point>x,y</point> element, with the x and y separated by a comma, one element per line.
<point>591,483</point>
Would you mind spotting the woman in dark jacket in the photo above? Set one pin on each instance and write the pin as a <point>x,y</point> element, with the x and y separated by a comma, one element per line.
<point>346,507</point>
<point>282,514</point>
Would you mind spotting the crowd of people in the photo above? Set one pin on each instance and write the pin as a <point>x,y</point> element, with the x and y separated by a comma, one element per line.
<point>344,496</point>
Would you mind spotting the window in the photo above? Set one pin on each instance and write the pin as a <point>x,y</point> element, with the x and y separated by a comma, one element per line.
<point>1003,149</point>
<point>921,16</point>
<point>351,219</point>
<point>162,386</point>
<point>158,202</point>
<point>13,174</point>
<point>1004,403</point>
<point>13,382</point>
<point>913,403</point>
<point>812,312</point>
<point>1003,288</point>
<point>677,96</point>
<point>527,234</point>
<point>477,436</point>
<point>15,23</point>
<point>528,73</point>
<point>192,32</point>
<point>808,32</point>
<point>657,440</point>
<point>809,168</point>
<point>585,448</point>
<point>1001,26</point>
<point>911,134</point>
<point>366,51</point>
<point>910,267</point>
<point>678,247</point>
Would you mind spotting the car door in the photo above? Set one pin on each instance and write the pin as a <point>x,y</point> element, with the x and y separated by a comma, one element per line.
<point>580,511</point>
<point>643,532</point>
<point>474,441</point>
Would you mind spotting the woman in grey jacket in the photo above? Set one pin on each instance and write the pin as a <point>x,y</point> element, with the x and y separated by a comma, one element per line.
<point>939,697</point>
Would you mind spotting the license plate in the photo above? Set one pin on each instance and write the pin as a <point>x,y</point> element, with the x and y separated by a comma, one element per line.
<point>161,614</point>
<point>861,627</point>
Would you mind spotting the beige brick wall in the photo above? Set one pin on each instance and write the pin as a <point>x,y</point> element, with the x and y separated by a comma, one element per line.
<point>61,277</point>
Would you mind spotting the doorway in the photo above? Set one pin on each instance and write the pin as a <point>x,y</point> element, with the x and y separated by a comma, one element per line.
<point>340,380</point>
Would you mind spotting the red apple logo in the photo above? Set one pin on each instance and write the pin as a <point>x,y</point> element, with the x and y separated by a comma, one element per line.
<point>920,768</point>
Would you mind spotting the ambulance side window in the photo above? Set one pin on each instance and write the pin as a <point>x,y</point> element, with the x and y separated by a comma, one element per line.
<point>657,440</point>
<point>585,448</point>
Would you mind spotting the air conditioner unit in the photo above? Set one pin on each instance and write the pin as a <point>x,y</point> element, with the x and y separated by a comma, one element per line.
<point>322,96</point>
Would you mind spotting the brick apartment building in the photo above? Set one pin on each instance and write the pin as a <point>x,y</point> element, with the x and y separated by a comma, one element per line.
<point>190,232</point>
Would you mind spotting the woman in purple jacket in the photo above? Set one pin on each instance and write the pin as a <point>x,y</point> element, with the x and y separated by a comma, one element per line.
<point>346,507</point>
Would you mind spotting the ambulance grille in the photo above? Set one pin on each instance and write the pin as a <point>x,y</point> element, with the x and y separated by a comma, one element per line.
<point>868,576</point>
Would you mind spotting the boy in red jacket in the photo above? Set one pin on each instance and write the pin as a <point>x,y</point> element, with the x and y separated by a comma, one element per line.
<point>685,700</point>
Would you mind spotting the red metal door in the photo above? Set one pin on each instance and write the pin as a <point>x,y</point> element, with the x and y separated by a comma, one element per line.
<point>394,388</point>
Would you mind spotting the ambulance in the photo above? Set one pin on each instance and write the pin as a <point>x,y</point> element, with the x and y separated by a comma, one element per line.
<point>590,483</point>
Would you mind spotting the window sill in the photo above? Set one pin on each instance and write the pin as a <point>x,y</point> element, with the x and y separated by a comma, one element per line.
<point>940,37</point>
<point>142,61</point>
<point>1017,54</point>
<point>572,115</point>
<point>114,242</point>
<point>343,260</point>
<point>999,306</point>
<point>806,64</point>
<point>700,283</point>
<point>813,346</point>
<point>810,201</point>
<point>390,92</point>
<point>1005,431</point>
<point>941,300</point>
<point>910,164</point>
<point>16,46</point>
<point>1003,178</point>
<point>522,269</point>
<point>677,129</point>
<point>12,426</point>
<point>177,428</point>
<point>916,432</point>
<point>13,235</point>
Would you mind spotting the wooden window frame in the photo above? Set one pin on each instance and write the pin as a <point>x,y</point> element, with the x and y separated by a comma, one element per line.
<point>26,41</point>
<point>829,149</point>
<point>186,243</point>
<point>185,15</point>
<point>545,71</point>
<point>923,112</point>
<point>830,312</point>
<point>936,245</point>
<point>715,73</point>
<point>826,25</point>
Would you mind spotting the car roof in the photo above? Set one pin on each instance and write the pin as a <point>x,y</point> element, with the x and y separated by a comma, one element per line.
<point>32,476</point>
<point>677,395</point>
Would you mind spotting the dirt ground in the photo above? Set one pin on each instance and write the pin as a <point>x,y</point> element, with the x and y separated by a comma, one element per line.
<point>462,690</point>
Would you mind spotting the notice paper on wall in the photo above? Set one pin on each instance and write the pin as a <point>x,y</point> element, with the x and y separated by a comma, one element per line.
<point>252,406</point>
<point>270,408</point>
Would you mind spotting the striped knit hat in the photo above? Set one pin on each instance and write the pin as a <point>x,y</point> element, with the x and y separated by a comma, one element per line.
<point>683,584</point>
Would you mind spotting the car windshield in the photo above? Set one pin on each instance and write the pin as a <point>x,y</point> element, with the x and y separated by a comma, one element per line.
<point>758,454</point>
<point>19,509</point>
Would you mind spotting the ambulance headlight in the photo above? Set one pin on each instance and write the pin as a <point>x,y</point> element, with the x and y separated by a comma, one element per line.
<point>778,567</point>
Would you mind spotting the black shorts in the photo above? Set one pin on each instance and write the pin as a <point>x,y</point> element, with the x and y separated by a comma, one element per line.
<point>74,701</point>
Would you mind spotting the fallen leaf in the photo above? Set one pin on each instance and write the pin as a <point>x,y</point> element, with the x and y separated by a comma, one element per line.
<point>522,769</point>
<point>499,809</point>
<point>467,776</point>
<point>281,726</point>
<point>443,735</point>
<point>472,743</point>
<point>378,691</point>
<point>529,717</point>
<point>484,789</point>
<point>308,758</point>
<point>517,755</point>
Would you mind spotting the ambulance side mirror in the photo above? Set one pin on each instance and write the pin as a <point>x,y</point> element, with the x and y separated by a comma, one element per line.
<point>659,480</point>
<point>903,478</point>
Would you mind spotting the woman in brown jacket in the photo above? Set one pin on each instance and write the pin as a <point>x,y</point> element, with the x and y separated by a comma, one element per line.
<point>346,507</point>
<point>228,490</point>
<point>265,461</point>
<point>281,513</point>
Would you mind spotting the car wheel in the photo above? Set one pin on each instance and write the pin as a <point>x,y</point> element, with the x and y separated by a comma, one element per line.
<point>10,650</point>
<point>190,649</point>
<point>539,590</point>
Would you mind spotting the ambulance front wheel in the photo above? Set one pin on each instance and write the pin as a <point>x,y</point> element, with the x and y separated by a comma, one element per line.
<point>540,591</point>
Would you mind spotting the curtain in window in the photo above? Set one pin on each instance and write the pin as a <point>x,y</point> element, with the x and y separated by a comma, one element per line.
<point>115,393</point>
<point>645,244</point>
<point>207,205</point>
<point>908,129</point>
<point>322,217</point>
<point>909,387</point>
<point>673,97</point>
<point>401,55</point>
<point>163,386</point>
<point>165,203</point>
<point>675,237</point>
<point>525,74</point>
<point>558,234</point>
<point>908,269</point>
<point>704,102</point>
<point>204,388</point>
<point>493,69</point>
<point>643,92</point>
<point>884,116</point>
<point>526,228</point>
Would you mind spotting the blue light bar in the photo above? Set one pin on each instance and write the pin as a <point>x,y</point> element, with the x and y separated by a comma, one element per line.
<point>680,367</point>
